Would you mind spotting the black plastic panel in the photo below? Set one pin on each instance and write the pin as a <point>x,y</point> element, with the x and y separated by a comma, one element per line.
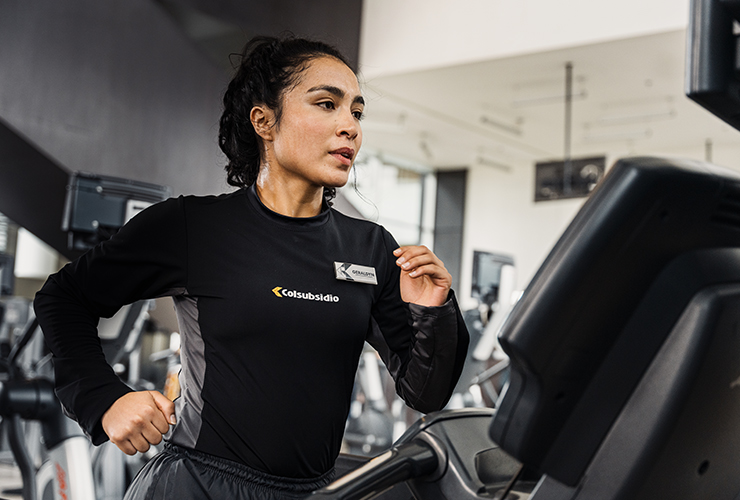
<point>573,334</point>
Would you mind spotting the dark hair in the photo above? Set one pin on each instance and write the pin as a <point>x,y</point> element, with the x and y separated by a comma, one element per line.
<point>269,66</point>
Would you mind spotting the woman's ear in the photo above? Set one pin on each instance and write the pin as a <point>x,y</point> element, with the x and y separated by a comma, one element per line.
<point>262,119</point>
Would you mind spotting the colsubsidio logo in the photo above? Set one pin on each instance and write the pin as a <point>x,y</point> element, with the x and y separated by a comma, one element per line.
<point>293,294</point>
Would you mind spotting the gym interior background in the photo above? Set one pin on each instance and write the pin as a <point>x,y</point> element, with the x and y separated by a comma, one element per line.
<point>465,99</point>
<point>132,89</point>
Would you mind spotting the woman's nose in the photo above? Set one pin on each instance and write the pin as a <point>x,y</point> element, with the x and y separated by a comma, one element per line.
<point>348,125</point>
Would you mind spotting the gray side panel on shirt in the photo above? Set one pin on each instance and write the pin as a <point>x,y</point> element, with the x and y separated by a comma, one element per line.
<point>189,405</point>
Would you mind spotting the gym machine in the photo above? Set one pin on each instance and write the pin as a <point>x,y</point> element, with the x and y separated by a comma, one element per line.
<point>624,349</point>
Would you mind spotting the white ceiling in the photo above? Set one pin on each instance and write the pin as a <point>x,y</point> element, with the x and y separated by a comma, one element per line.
<point>628,99</point>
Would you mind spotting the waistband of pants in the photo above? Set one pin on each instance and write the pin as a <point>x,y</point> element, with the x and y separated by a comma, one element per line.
<point>240,472</point>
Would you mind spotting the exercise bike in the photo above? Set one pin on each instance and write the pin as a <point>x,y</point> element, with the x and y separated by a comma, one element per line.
<point>66,472</point>
<point>55,458</point>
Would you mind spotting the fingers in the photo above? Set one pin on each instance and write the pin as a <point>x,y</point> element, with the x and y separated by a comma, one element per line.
<point>424,279</point>
<point>126,447</point>
<point>137,420</point>
<point>427,270</point>
<point>139,442</point>
<point>166,406</point>
<point>420,261</point>
<point>410,251</point>
<point>151,435</point>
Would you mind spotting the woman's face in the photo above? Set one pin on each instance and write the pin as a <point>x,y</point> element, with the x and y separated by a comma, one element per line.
<point>319,133</point>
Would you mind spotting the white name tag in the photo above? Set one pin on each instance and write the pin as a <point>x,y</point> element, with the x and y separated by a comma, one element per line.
<point>355,272</point>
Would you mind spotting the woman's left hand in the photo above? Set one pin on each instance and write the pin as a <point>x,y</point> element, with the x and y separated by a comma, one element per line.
<point>424,279</point>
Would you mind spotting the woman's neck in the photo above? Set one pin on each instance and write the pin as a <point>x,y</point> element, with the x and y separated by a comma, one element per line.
<point>291,198</point>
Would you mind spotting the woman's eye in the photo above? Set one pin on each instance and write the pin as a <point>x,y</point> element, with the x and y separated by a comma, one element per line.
<point>327,104</point>
<point>359,115</point>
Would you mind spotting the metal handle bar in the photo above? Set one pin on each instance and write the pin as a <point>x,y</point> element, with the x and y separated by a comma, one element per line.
<point>409,460</point>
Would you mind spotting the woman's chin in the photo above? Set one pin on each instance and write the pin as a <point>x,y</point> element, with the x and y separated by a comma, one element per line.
<point>336,181</point>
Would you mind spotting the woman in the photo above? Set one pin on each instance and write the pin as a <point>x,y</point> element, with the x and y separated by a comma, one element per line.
<point>275,294</point>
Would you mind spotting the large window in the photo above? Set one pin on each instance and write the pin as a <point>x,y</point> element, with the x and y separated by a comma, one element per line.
<point>396,194</point>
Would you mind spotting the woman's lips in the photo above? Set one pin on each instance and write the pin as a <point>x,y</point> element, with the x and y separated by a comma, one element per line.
<point>343,155</point>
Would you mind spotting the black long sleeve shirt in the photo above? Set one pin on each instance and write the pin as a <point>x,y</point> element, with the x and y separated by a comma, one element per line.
<point>270,336</point>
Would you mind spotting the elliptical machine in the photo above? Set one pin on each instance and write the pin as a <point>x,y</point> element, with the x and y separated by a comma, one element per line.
<point>624,355</point>
<point>625,347</point>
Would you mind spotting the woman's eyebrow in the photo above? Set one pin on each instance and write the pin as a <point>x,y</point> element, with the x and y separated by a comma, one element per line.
<point>337,92</point>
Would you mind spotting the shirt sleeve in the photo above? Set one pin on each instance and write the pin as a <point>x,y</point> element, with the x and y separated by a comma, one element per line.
<point>423,347</point>
<point>145,259</point>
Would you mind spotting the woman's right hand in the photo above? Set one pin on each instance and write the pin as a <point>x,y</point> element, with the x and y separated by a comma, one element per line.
<point>137,420</point>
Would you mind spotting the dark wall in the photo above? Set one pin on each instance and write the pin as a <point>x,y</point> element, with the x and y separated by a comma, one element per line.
<point>117,87</point>
<point>334,21</point>
<point>111,87</point>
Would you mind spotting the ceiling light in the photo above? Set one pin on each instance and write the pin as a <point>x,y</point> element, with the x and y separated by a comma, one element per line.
<point>492,163</point>
<point>512,129</point>
<point>625,136</point>
<point>637,118</point>
<point>424,147</point>
<point>549,99</point>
